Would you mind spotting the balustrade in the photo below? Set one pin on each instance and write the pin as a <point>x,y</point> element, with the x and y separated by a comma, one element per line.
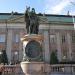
<point>59,69</point>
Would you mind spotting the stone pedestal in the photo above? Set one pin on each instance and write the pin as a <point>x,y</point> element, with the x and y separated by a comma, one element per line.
<point>33,68</point>
<point>32,63</point>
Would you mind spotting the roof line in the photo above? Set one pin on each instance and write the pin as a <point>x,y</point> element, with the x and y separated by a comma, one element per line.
<point>55,15</point>
<point>15,13</point>
<point>40,14</point>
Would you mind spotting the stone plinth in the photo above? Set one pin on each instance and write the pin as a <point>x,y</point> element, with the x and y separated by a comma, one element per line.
<point>33,68</point>
<point>32,44</point>
<point>32,55</point>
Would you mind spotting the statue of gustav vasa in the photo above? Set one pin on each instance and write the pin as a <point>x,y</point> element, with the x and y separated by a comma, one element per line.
<point>32,21</point>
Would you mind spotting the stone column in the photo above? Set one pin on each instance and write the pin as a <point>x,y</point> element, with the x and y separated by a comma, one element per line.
<point>69,46</point>
<point>20,48</point>
<point>9,45</point>
<point>58,46</point>
<point>46,46</point>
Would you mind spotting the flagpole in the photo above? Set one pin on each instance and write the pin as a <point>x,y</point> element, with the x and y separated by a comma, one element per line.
<point>73,3</point>
<point>73,21</point>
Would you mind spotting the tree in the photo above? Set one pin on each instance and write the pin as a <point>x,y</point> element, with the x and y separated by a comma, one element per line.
<point>53,58</point>
<point>3,57</point>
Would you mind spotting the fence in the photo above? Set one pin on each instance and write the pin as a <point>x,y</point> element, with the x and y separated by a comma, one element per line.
<point>58,69</point>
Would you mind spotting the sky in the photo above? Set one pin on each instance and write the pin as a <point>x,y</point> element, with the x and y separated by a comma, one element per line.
<point>41,6</point>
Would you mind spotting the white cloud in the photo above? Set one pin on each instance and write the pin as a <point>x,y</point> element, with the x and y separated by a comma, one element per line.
<point>72,13</point>
<point>58,7</point>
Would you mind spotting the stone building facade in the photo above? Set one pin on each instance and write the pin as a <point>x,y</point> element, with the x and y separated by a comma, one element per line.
<point>58,32</point>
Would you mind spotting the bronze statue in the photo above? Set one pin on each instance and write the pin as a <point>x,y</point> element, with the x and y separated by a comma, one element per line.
<point>27,20</point>
<point>32,21</point>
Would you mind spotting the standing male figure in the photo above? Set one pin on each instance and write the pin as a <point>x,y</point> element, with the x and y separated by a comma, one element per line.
<point>27,19</point>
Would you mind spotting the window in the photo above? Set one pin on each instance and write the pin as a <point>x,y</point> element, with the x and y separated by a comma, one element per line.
<point>52,38</point>
<point>63,39</point>
<point>16,38</point>
<point>73,38</point>
<point>2,37</point>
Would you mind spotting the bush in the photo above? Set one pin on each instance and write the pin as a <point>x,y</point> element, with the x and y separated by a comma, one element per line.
<point>53,58</point>
<point>3,57</point>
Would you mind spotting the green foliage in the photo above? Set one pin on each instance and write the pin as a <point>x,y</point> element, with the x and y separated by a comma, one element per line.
<point>53,58</point>
<point>3,57</point>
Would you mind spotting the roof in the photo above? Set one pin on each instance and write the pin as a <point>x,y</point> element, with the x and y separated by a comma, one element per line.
<point>4,16</point>
<point>46,17</point>
<point>59,18</point>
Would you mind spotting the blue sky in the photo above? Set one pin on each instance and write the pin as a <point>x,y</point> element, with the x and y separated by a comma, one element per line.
<point>41,6</point>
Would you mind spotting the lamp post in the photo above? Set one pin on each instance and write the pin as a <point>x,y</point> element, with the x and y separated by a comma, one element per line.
<point>64,58</point>
<point>1,59</point>
<point>15,53</point>
<point>0,53</point>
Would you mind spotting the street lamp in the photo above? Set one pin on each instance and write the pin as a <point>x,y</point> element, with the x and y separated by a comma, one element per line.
<point>15,53</point>
<point>0,53</point>
<point>64,58</point>
<point>1,59</point>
